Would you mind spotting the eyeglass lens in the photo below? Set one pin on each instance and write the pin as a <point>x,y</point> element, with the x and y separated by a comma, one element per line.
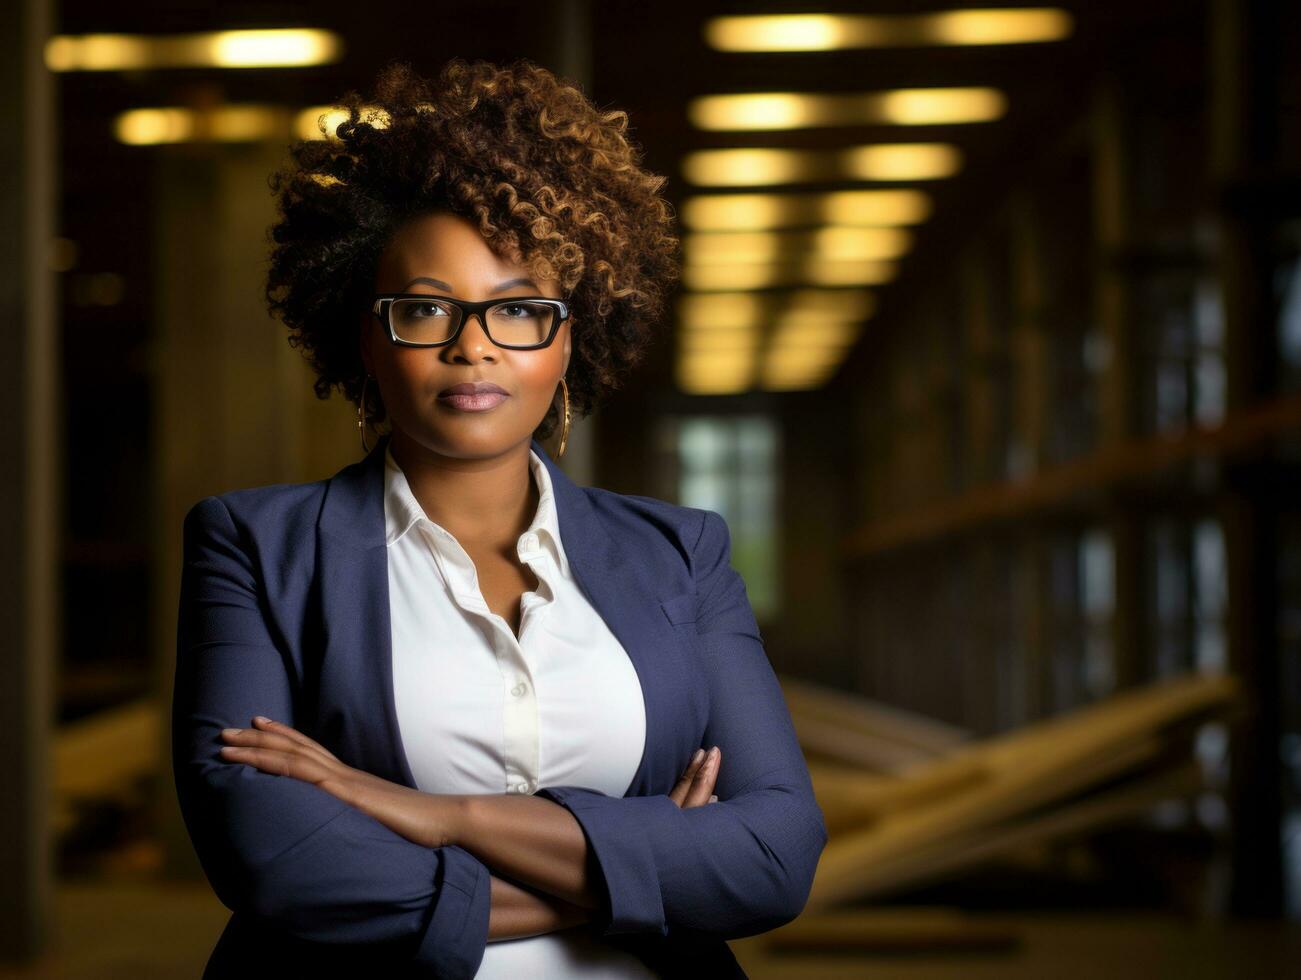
<point>511,324</point>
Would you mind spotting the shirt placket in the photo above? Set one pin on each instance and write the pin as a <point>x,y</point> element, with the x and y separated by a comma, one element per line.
<point>521,743</point>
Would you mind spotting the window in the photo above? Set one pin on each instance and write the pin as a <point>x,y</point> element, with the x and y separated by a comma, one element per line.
<point>728,464</point>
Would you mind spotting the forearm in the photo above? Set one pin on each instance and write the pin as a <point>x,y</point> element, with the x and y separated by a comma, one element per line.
<point>519,912</point>
<point>530,840</point>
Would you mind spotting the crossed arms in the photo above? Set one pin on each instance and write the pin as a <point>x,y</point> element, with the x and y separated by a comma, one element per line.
<point>312,864</point>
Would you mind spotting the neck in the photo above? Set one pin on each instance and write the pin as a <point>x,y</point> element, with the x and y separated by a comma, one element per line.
<point>484,502</point>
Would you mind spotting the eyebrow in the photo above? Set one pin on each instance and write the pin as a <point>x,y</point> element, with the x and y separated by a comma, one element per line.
<point>500,287</point>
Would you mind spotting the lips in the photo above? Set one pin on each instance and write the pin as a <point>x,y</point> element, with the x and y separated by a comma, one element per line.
<point>472,396</point>
<point>473,388</point>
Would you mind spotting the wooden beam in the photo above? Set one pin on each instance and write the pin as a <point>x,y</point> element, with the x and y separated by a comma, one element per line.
<point>1248,431</point>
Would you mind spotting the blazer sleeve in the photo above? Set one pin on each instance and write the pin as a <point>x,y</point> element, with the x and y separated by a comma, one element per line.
<point>744,864</point>
<point>278,848</point>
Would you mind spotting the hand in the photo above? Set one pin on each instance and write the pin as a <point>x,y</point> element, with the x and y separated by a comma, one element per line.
<point>696,787</point>
<point>278,749</point>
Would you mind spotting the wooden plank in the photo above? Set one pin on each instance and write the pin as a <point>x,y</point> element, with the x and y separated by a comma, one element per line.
<point>1039,765</point>
<point>947,858</point>
<point>859,731</point>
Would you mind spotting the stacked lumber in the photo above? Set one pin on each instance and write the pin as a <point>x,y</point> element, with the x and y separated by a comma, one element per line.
<point>910,824</point>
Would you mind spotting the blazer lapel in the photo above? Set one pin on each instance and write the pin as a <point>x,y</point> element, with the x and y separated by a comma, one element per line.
<point>359,712</point>
<point>357,659</point>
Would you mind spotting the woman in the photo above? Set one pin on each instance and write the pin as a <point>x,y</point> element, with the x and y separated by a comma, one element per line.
<point>447,713</point>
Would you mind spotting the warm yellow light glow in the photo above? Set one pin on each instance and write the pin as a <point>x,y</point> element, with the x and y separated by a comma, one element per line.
<point>824,244</point>
<point>283,48</point>
<point>143,127</point>
<point>766,111</point>
<point>903,161</point>
<point>788,367</point>
<point>938,106</point>
<point>717,341</point>
<point>96,52</point>
<point>796,377</point>
<point>1029,25</point>
<point>749,311</point>
<point>715,373</point>
<point>830,32</point>
<point>750,167</point>
<point>245,124</point>
<point>226,124</point>
<point>307,125</point>
<point>765,275</point>
<point>757,212</point>
<point>782,32</point>
<point>280,48</point>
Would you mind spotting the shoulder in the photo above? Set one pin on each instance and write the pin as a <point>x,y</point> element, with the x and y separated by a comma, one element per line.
<point>691,532</point>
<point>283,510</point>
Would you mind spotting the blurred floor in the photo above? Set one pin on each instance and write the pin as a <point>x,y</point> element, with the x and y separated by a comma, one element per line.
<point>142,930</point>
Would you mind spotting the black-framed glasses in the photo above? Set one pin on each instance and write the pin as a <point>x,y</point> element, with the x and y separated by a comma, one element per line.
<point>422,320</point>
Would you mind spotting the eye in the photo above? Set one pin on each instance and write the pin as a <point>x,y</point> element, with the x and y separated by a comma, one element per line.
<point>425,310</point>
<point>518,310</point>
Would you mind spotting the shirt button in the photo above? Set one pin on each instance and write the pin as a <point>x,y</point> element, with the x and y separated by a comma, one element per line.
<point>521,787</point>
<point>530,542</point>
<point>518,690</point>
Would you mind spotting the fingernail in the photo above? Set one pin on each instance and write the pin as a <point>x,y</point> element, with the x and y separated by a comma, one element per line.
<point>261,719</point>
<point>713,799</point>
<point>700,754</point>
<point>230,731</point>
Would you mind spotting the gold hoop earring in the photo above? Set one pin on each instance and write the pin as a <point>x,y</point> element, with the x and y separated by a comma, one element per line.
<point>564,431</point>
<point>361,422</point>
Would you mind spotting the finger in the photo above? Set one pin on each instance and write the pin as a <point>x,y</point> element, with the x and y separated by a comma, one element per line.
<point>679,792</point>
<point>270,725</point>
<point>292,764</point>
<point>703,785</point>
<point>277,741</point>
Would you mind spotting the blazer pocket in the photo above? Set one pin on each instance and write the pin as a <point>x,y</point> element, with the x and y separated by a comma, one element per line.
<point>680,609</point>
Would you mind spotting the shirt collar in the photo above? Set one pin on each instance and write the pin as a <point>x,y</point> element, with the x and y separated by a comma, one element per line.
<point>402,511</point>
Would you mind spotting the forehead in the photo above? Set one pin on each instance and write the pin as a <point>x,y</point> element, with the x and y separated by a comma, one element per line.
<point>450,242</point>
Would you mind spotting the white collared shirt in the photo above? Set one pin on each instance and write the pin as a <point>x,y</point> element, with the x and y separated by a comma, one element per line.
<point>481,711</point>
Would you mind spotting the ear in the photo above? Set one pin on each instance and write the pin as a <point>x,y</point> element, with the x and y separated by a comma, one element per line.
<point>568,347</point>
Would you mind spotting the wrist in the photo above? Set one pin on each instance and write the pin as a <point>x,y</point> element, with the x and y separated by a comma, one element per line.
<point>457,818</point>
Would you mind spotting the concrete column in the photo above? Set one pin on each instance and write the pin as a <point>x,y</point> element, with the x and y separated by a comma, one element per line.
<point>30,481</point>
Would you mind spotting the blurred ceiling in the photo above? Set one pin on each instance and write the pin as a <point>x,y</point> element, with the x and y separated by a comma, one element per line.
<point>653,61</point>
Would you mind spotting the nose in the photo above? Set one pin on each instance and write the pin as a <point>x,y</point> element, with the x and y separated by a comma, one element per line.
<point>472,337</point>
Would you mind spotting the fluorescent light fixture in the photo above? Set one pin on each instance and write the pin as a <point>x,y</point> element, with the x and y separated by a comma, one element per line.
<point>279,48</point>
<point>759,212</point>
<point>763,275</point>
<point>767,111</point>
<point>723,310</point>
<point>222,124</point>
<point>750,167</point>
<point>832,32</point>
<point>828,334</point>
<point>824,244</point>
<point>715,374</point>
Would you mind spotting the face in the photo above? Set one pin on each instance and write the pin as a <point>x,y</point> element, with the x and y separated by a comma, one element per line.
<point>445,255</point>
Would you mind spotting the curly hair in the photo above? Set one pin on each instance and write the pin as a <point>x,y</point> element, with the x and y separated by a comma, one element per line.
<point>545,176</point>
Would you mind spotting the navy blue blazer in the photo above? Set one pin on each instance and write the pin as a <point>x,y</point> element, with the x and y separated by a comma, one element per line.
<point>284,612</point>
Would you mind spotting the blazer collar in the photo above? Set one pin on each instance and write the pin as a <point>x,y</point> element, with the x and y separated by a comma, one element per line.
<point>353,509</point>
